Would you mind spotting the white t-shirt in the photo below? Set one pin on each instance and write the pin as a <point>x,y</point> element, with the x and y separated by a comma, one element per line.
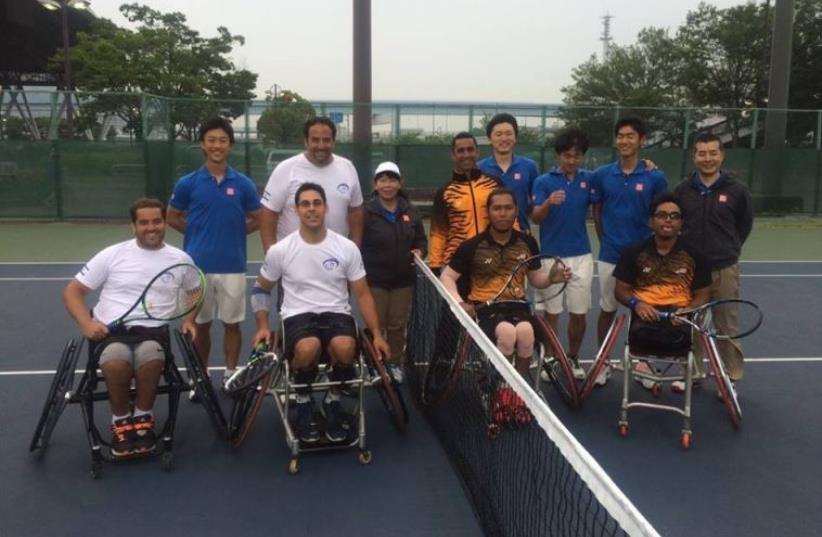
<point>123,270</point>
<point>338,179</point>
<point>315,276</point>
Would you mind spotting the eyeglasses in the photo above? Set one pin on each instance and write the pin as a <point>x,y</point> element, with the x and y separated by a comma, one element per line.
<point>662,215</point>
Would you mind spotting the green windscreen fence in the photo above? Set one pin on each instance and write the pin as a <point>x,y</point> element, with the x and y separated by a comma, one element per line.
<point>126,146</point>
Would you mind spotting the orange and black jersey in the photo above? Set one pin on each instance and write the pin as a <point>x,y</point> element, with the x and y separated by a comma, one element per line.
<point>459,213</point>
<point>663,280</point>
<point>487,264</point>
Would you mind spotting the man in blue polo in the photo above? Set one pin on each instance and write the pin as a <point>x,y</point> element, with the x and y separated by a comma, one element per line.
<point>214,208</point>
<point>621,194</point>
<point>516,173</point>
<point>561,198</point>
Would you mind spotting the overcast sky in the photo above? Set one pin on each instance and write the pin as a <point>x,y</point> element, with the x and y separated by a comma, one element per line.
<point>428,50</point>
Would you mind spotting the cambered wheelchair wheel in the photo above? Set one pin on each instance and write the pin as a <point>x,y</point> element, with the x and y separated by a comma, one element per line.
<point>444,370</point>
<point>556,365</point>
<point>386,388</point>
<point>202,384</point>
<point>58,396</point>
<point>601,360</point>
<point>727,392</point>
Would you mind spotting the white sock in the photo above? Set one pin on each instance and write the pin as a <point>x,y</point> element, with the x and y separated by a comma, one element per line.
<point>302,398</point>
<point>138,413</point>
<point>117,418</point>
<point>332,395</point>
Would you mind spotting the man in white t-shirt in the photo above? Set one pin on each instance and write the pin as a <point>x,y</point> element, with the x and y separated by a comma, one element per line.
<point>317,266</point>
<point>317,164</point>
<point>124,270</point>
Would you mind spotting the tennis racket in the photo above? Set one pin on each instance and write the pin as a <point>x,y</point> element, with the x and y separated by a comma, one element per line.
<point>748,318</point>
<point>173,293</point>
<point>512,280</point>
<point>261,361</point>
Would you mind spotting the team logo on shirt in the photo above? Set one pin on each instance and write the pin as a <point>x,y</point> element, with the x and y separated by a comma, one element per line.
<point>723,198</point>
<point>406,218</point>
<point>343,188</point>
<point>517,176</point>
<point>167,277</point>
<point>646,270</point>
<point>229,191</point>
<point>331,263</point>
<point>266,195</point>
<point>682,270</point>
<point>84,270</point>
<point>639,187</point>
<point>583,184</point>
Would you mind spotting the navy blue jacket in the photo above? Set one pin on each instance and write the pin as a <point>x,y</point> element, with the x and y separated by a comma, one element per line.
<point>386,246</point>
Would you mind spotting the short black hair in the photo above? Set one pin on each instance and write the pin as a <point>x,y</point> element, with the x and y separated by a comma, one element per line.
<point>501,118</point>
<point>460,136</point>
<point>668,197</point>
<point>706,138</point>
<point>145,203</point>
<point>631,121</point>
<point>501,191</point>
<point>571,138</point>
<point>306,187</point>
<point>320,120</point>
<point>216,123</point>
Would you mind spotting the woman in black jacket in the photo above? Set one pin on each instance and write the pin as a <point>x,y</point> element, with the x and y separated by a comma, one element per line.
<point>392,233</point>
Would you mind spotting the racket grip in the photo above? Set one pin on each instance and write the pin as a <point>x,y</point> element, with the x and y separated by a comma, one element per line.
<point>665,315</point>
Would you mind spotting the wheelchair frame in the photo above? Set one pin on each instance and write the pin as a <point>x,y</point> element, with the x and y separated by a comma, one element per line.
<point>86,394</point>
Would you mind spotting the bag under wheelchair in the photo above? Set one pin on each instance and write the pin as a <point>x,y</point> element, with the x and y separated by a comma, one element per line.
<point>91,388</point>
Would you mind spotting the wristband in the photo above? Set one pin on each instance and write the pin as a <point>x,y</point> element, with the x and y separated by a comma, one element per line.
<point>632,302</point>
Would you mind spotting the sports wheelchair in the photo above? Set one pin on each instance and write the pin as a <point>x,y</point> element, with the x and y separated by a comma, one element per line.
<point>278,381</point>
<point>654,366</point>
<point>61,394</point>
<point>501,406</point>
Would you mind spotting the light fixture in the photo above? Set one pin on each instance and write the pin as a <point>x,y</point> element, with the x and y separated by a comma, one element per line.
<point>51,5</point>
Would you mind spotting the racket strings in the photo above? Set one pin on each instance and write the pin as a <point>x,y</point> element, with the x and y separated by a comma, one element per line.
<point>174,292</point>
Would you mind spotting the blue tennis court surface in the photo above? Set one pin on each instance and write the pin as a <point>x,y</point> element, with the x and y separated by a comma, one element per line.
<point>762,480</point>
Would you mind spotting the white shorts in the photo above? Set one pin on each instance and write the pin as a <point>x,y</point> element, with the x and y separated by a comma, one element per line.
<point>578,291</point>
<point>607,284</point>
<point>224,299</point>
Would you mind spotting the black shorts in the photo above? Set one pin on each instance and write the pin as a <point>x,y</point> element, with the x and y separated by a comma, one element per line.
<point>324,326</point>
<point>513,312</point>
<point>659,338</point>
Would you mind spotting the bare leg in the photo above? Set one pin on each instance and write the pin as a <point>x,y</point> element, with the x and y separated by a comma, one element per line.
<point>232,342</point>
<point>202,343</point>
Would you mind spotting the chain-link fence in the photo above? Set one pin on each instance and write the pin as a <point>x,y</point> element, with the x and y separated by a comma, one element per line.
<point>120,146</point>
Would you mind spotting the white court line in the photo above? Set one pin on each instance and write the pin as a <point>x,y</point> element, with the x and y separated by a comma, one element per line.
<point>36,372</point>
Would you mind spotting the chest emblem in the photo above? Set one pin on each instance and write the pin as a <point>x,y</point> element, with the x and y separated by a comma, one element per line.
<point>517,176</point>
<point>639,187</point>
<point>646,270</point>
<point>330,264</point>
<point>583,185</point>
<point>406,218</point>
<point>723,198</point>
<point>487,260</point>
<point>343,188</point>
<point>230,191</point>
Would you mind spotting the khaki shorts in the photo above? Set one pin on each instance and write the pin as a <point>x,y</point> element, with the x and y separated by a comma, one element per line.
<point>224,299</point>
<point>577,293</point>
<point>607,286</point>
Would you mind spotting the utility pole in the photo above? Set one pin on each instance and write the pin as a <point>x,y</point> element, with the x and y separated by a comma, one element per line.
<point>606,36</point>
<point>362,88</point>
<point>776,121</point>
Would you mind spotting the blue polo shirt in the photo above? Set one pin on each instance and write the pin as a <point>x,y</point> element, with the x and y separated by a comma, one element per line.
<point>215,218</point>
<point>520,178</point>
<point>625,200</point>
<point>563,231</point>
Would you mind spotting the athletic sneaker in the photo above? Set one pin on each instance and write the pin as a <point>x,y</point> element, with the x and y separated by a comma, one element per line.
<point>122,434</point>
<point>678,386</point>
<point>395,372</point>
<point>579,373</point>
<point>334,430</point>
<point>193,396</point>
<point>643,367</point>
<point>305,425</point>
<point>145,440</point>
<point>604,375</point>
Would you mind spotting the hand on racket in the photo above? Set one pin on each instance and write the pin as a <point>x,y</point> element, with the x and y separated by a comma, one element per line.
<point>173,293</point>
<point>748,318</point>
<point>559,274</point>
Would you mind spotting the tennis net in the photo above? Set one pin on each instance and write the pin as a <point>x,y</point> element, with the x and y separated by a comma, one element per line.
<point>529,477</point>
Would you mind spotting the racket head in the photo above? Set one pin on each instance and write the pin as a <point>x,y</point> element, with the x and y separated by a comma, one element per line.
<point>524,265</point>
<point>174,292</point>
<point>728,318</point>
<point>260,363</point>
<point>556,289</point>
<point>386,388</point>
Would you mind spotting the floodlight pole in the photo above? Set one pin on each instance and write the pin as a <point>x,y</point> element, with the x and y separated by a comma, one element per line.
<point>362,88</point>
<point>776,121</point>
<point>67,71</point>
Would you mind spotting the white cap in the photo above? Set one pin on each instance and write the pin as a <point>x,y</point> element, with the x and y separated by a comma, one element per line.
<point>387,167</point>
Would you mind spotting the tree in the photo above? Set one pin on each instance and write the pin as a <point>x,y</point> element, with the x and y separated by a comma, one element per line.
<point>633,78</point>
<point>282,122</point>
<point>806,71</point>
<point>164,57</point>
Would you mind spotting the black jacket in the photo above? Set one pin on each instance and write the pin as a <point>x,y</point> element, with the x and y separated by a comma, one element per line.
<point>717,221</point>
<point>386,246</point>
